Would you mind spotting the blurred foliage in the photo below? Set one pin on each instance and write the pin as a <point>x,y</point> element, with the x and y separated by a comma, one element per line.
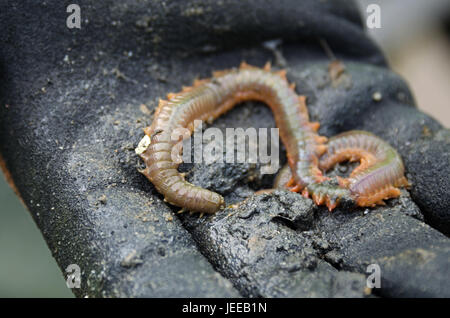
<point>27,268</point>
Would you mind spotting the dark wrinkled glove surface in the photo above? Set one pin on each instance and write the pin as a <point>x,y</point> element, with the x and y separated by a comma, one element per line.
<point>71,115</point>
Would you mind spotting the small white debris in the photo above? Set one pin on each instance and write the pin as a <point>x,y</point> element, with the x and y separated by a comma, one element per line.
<point>377,96</point>
<point>143,145</point>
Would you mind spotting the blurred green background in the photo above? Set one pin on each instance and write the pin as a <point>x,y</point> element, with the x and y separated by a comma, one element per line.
<point>27,268</point>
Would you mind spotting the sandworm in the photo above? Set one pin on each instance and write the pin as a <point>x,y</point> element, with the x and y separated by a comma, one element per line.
<point>208,99</point>
<point>381,170</point>
<point>378,176</point>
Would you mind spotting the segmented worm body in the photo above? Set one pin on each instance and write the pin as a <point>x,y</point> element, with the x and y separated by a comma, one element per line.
<point>208,99</point>
<point>380,172</point>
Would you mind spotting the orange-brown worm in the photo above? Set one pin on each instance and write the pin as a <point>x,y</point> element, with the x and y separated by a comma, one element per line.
<point>380,172</point>
<point>210,98</point>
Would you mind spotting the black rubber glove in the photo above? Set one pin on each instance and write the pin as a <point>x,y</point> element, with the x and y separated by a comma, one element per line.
<point>71,114</point>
